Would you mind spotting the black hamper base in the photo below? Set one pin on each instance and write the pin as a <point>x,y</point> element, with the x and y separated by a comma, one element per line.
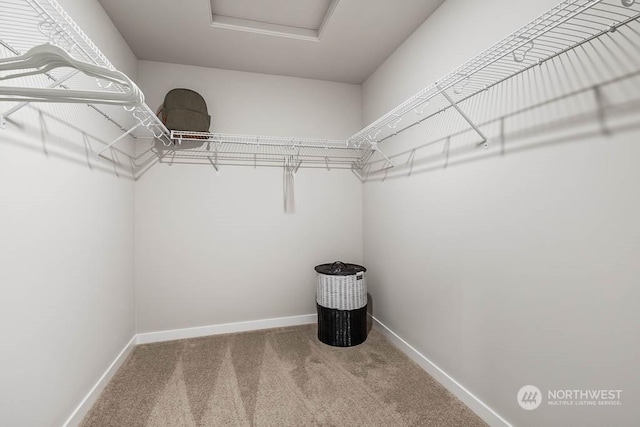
<point>342,328</point>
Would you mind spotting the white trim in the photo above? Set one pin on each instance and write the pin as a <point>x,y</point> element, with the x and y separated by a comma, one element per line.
<point>480,408</point>
<point>257,27</point>
<point>327,17</point>
<point>490,416</point>
<point>85,405</point>
<point>227,328</point>
<point>260,27</point>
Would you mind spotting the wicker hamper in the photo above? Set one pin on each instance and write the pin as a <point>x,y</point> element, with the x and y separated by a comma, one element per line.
<point>341,299</point>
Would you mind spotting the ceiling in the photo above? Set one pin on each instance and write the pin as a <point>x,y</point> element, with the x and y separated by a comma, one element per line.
<point>335,40</point>
<point>306,14</point>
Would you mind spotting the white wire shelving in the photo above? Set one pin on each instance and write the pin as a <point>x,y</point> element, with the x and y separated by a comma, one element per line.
<point>586,28</point>
<point>256,150</point>
<point>25,24</point>
<point>602,37</point>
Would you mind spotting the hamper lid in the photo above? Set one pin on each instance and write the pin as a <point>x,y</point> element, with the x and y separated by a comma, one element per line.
<point>339,269</point>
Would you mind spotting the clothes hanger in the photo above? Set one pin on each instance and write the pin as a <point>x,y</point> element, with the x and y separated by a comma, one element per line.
<point>45,58</point>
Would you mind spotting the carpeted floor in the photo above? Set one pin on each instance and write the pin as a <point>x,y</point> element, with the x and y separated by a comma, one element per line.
<point>276,377</point>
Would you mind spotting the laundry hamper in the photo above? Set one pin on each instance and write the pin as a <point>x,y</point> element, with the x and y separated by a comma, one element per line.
<point>341,300</point>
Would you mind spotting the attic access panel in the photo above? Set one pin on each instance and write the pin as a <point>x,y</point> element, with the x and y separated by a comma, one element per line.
<point>300,19</point>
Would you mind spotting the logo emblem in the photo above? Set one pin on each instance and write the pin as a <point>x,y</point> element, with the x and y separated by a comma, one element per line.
<point>529,397</point>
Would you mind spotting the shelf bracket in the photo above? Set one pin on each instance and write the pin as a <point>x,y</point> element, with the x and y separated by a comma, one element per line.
<point>214,163</point>
<point>388,164</point>
<point>106,147</point>
<point>295,170</point>
<point>600,101</point>
<point>464,116</point>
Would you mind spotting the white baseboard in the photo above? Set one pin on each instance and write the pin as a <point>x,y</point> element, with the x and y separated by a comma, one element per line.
<point>457,389</point>
<point>490,416</point>
<point>227,328</point>
<point>85,405</point>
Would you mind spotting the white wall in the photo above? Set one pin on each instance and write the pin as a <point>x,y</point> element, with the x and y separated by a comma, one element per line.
<point>213,249</point>
<point>66,249</point>
<point>514,269</point>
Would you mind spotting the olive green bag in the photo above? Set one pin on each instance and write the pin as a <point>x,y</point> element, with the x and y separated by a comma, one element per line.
<point>184,109</point>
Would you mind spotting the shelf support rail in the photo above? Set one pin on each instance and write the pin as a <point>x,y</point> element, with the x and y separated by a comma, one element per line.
<point>464,116</point>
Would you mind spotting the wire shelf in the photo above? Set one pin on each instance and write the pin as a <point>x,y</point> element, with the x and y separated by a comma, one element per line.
<point>257,150</point>
<point>29,23</point>
<point>602,37</point>
<point>569,25</point>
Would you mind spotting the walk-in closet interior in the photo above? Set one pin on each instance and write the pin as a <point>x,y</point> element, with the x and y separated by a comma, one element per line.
<point>380,213</point>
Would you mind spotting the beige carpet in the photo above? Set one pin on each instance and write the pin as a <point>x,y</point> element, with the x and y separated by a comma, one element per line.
<point>275,377</point>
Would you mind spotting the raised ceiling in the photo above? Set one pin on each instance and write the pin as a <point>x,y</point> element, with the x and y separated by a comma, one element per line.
<point>300,13</point>
<point>301,19</point>
<point>336,40</point>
